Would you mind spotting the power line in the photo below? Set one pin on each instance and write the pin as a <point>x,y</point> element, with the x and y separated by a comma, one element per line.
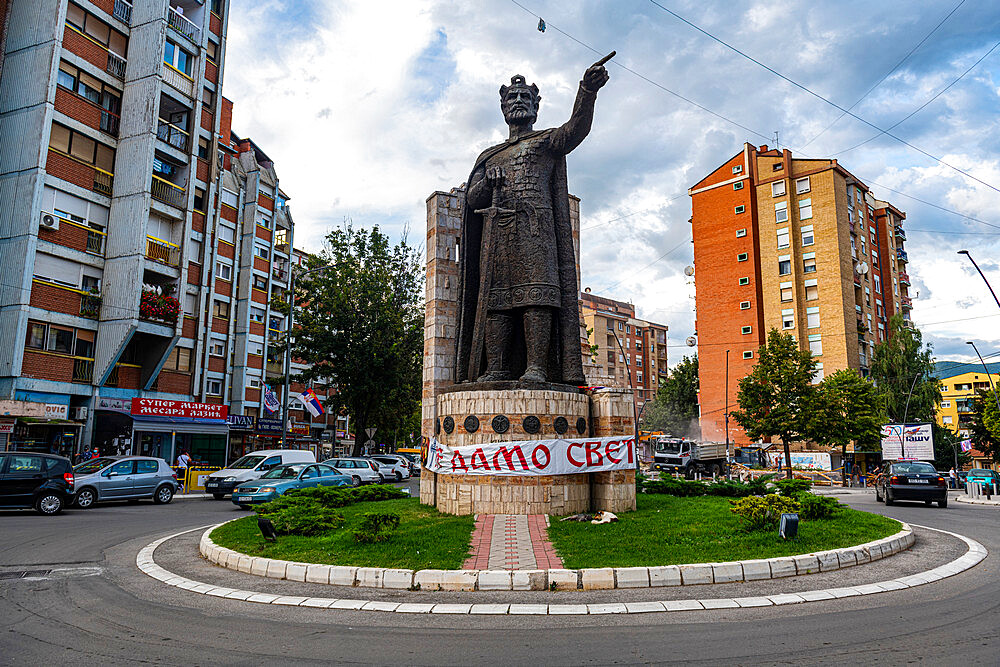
<point>922,106</point>
<point>886,75</point>
<point>820,97</point>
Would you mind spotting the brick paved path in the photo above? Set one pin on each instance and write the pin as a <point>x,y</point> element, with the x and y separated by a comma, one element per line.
<point>512,542</point>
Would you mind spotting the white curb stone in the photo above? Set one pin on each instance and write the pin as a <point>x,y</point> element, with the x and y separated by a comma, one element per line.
<point>632,577</point>
<point>258,566</point>
<point>595,579</point>
<point>318,574</point>
<point>529,580</point>
<point>828,560</point>
<point>296,571</point>
<point>343,576</point>
<point>562,580</point>
<point>755,570</point>
<point>492,609</point>
<point>698,573</point>
<point>459,580</point>
<point>782,567</point>
<point>528,609</point>
<point>495,580</point>
<point>666,575</point>
<point>724,573</point>
<point>400,579</point>
<point>276,569</point>
<point>369,576</point>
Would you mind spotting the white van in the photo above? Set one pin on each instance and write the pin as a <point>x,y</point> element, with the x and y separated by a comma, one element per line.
<point>252,466</point>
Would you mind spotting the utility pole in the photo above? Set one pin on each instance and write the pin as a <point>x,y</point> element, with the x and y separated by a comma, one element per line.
<point>966,253</point>
<point>286,399</point>
<point>727,398</point>
<point>628,371</point>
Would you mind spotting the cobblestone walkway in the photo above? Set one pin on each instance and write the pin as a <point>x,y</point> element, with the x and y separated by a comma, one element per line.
<point>512,542</point>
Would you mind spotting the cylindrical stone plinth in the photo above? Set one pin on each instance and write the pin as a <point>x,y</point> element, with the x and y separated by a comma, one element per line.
<point>473,417</point>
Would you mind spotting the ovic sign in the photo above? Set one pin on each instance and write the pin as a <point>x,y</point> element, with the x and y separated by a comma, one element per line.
<point>907,441</point>
<point>533,457</point>
<point>154,407</point>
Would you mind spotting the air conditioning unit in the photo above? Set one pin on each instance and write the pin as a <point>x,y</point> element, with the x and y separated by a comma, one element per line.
<point>49,221</point>
<point>79,414</point>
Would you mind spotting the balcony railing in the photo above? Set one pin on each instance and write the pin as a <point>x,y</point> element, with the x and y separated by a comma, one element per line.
<point>95,243</point>
<point>906,301</point>
<point>116,65</point>
<point>167,192</point>
<point>123,11</point>
<point>901,255</point>
<point>900,233</point>
<point>90,305</point>
<point>172,134</point>
<point>158,307</point>
<point>183,25</point>
<point>112,380</point>
<point>162,251</point>
<point>104,181</point>
<point>904,278</point>
<point>280,273</point>
<point>83,369</point>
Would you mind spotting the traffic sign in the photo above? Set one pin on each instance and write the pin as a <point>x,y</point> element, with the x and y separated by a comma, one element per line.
<point>371,432</point>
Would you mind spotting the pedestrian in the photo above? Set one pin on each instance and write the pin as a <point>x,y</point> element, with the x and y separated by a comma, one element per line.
<point>183,461</point>
<point>953,476</point>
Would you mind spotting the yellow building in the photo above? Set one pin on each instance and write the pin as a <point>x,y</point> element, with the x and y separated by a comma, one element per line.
<point>954,412</point>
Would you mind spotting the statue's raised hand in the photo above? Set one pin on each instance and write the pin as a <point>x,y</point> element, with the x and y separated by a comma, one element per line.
<point>595,77</point>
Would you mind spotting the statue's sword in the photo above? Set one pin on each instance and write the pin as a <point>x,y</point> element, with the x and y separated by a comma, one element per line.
<point>491,216</point>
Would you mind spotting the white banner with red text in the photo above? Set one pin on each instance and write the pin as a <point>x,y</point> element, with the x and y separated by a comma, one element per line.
<point>532,457</point>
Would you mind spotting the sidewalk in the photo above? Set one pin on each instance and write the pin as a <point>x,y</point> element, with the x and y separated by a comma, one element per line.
<point>512,542</point>
<point>191,496</point>
<point>978,501</point>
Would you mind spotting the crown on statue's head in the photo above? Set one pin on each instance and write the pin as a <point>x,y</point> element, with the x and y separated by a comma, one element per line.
<point>518,81</point>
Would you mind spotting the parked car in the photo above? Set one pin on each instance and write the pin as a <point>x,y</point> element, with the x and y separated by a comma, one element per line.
<point>983,476</point>
<point>392,466</point>
<point>278,481</point>
<point>252,466</point>
<point>912,480</point>
<point>360,470</point>
<point>414,461</point>
<point>124,477</point>
<point>42,481</point>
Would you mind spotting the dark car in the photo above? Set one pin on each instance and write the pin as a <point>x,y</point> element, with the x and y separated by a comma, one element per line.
<point>42,481</point>
<point>911,480</point>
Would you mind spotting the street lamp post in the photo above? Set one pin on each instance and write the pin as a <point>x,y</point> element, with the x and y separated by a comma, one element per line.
<point>628,371</point>
<point>286,399</point>
<point>966,253</point>
<point>727,414</point>
<point>988,376</point>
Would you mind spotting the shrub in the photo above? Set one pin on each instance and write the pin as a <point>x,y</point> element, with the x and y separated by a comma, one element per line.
<point>376,527</point>
<point>812,507</point>
<point>305,521</point>
<point>790,488</point>
<point>763,512</point>
<point>640,481</point>
<point>675,487</point>
<point>758,486</point>
<point>728,488</point>
<point>331,497</point>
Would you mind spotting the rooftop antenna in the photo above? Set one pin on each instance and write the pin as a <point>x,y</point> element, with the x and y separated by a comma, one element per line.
<point>776,144</point>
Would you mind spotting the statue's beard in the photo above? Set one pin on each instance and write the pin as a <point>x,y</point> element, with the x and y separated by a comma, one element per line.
<point>521,116</point>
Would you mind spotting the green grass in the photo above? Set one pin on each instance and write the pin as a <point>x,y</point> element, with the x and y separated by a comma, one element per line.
<point>667,530</point>
<point>425,539</point>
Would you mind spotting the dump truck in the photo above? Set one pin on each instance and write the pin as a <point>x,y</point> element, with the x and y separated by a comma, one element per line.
<point>689,457</point>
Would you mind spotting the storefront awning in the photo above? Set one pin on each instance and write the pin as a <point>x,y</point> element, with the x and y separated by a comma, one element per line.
<point>179,425</point>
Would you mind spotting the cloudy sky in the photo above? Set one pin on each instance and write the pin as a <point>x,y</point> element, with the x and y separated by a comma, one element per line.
<point>368,107</point>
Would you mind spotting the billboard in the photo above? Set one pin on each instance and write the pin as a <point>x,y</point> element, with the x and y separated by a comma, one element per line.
<point>907,441</point>
<point>532,457</point>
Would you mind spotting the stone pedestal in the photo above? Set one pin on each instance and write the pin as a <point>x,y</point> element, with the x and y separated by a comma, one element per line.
<point>476,416</point>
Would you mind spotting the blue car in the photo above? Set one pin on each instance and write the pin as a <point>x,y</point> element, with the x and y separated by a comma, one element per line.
<point>284,478</point>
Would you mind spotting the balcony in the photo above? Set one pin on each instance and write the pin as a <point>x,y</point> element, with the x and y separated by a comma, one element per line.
<point>168,193</point>
<point>173,135</point>
<point>900,233</point>
<point>280,273</point>
<point>158,307</point>
<point>163,252</point>
<point>904,278</point>
<point>95,242</point>
<point>110,122</point>
<point>116,66</point>
<point>901,255</point>
<point>90,306</point>
<point>123,11</point>
<point>183,25</point>
<point>275,368</point>
<point>274,335</point>
<point>83,370</point>
<point>906,302</point>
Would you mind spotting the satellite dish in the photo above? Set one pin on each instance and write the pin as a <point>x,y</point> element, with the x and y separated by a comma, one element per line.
<point>691,341</point>
<point>688,270</point>
<point>861,268</point>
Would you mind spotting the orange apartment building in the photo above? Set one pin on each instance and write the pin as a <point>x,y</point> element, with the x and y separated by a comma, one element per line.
<point>798,245</point>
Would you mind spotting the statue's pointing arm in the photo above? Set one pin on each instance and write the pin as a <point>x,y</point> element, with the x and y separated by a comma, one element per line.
<point>572,133</point>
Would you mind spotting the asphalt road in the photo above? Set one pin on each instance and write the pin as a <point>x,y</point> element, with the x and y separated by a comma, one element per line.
<point>100,609</point>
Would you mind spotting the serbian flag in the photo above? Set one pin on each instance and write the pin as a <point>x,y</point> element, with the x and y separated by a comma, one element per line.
<point>271,401</point>
<point>311,401</point>
<point>966,445</point>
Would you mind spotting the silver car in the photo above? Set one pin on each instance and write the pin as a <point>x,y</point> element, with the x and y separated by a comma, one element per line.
<point>393,466</point>
<point>360,470</point>
<point>123,477</point>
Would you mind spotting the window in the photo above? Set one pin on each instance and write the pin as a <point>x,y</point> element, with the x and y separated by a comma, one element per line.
<point>783,241</point>
<point>812,290</point>
<point>738,185</point>
<point>227,234</point>
<point>213,387</point>
<point>179,360</point>
<point>204,145</point>
<point>818,374</point>
<point>260,283</point>
<point>36,335</point>
<point>945,404</point>
<point>748,354</point>
<point>801,185</point>
<point>264,221</point>
<point>816,344</point>
<point>809,262</point>
<point>805,209</point>
<point>208,98</point>
<point>745,281</point>
<point>621,326</point>
<point>217,6</point>
<point>190,304</point>
<point>874,257</point>
<point>812,318</point>
<point>224,271</point>
<point>94,91</point>
<point>217,348</point>
<point>738,169</point>
<point>212,51</point>
<point>257,315</point>
<point>947,419</point>
<point>808,237</point>
<point>739,209</point>
<point>878,283</point>
<point>787,318</point>
<point>784,265</point>
<point>178,58</point>
<point>199,199</point>
<point>96,29</point>
<point>255,383</point>
<point>230,198</point>
<point>777,166</point>
<point>786,292</point>
<point>255,348</point>
<point>742,257</point>
<point>85,149</point>
<point>90,284</point>
<point>778,189</point>
<point>781,212</point>
<point>746,330</point>
<point>744,305</point>
<point>740,233</point>
<point>261,251</point>
<point>221,309</point>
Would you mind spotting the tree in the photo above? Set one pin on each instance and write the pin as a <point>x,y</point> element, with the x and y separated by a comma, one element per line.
<point>984,429</point>
<point>947,452</point>
<point>361,327</point>
<point>675,408</point>
<point>777,396</point>
<point>846,409</point>
<point>902,369</point>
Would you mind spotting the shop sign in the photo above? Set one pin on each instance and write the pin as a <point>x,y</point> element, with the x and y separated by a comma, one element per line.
<point>299,429</point>
<point>266,426</point>
<point>22,409</point>
<point>7,427</point>
<point>123,405</point>
<point>241,422</point>
<point>55,411</point>
<point>533,457</point>
<point>155,407</point>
